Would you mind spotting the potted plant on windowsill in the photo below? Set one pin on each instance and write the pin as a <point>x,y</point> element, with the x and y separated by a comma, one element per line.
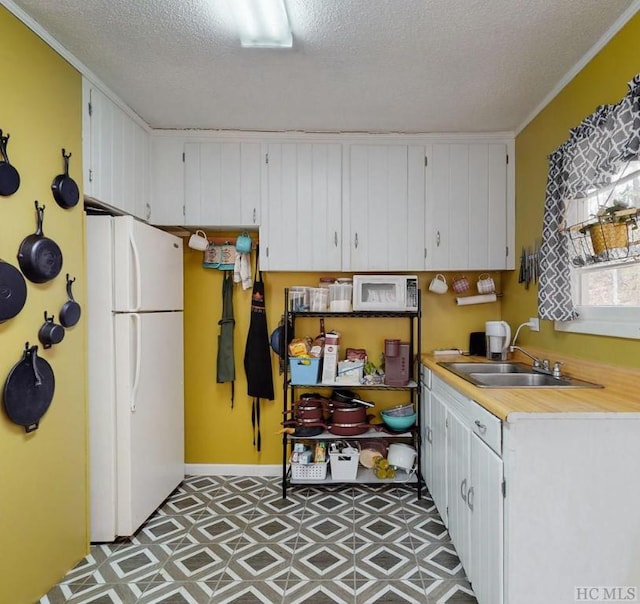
<point>610,227</point>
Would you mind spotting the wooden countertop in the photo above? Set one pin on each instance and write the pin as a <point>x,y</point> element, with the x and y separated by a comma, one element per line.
<point>621,392</point>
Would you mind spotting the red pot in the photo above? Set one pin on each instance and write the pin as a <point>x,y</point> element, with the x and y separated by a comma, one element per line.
<point>349,415</point>
<point>348,429</point>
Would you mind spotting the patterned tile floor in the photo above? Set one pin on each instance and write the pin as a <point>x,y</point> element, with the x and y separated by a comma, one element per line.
<point>219,540</point>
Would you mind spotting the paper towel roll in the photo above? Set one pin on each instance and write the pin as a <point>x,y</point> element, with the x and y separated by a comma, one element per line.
<point>482,299</point>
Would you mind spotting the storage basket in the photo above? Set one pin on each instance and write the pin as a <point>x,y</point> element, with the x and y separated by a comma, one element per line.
<point>608,236</point>
<point>304,371</point>
<point>309,471</point>
<point>344,466</point>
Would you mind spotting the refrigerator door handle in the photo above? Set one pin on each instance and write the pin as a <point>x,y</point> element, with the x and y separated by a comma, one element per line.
<point>136,270</point>
<point>138,355</point>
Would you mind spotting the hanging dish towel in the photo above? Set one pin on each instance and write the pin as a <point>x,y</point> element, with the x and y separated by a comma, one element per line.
<point>242,270</point>
<point>257,358</point>
<point>226,370</point>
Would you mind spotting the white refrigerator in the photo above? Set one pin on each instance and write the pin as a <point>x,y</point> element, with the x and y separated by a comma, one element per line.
<point>136,371</point>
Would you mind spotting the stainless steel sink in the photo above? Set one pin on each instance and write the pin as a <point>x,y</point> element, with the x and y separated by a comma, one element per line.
<point>511,375</point>
<point>488,367</point>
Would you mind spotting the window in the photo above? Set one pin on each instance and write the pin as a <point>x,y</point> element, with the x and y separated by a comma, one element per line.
<point>604,248</point>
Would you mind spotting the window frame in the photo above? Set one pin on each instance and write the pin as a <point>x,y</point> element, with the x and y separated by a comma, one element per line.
<point>616,321</point>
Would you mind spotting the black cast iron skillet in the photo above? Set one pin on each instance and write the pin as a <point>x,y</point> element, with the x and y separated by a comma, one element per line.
<point>70,311</point>
<point>29,389</point>
<point>39,257</point>
<point>9,177</point>
<point>64,188</point>
<point>50,333</point>
<point>13,291</point>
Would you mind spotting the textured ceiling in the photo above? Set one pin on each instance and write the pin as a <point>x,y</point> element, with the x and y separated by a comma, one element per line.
<point>356,65</point>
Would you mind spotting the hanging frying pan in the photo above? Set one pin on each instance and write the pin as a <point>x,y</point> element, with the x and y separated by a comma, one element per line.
<point>29,389</point>
<point>39,257</point>
<point>9,177</point>
<point>13,291</point>
<point>64,188</point>
<point>70,311</point>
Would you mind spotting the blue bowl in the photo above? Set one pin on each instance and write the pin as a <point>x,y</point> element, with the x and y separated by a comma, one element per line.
<point>398,423</point>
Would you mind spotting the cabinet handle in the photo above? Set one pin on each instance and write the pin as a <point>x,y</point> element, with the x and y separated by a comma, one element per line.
<point>335,238</point>
<point>356,241</point>
<point>438,239</point>
<point>429,435</point>
<point>148,211</point>
<point>470,494</point>
<point>481,427</point>
<point>463,490</point>
<point>254,215</point>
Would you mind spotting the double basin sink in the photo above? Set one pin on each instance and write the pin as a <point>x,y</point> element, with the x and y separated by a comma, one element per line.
<point>493,374</point>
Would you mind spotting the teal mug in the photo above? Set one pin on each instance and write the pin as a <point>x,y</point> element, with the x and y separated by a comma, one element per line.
<point>243,243</point>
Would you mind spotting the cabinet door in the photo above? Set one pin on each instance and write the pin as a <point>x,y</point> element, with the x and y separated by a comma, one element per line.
<point>438,487</point>
<point>426,428</point>
<point>467,206</point>
<point>458,479</point>
<point>386,207</point>
<point>222,183</point>
<point>486,502</point>
<point>301,229</point>
<point>167,180</point>
<point>117,165</point>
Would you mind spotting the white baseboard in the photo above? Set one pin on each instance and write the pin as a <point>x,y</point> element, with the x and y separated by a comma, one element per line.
<point>214,469</point>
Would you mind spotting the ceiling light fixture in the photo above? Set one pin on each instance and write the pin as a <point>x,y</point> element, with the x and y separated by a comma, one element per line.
<point>262,23</point>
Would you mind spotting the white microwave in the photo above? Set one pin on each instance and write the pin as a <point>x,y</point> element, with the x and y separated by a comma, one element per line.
<point>385,293</point>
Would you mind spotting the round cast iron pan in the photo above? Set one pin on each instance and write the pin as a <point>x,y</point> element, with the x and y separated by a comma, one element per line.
<point>13,291</point>
<point>28,390</point>
<point>70,311</point>
<point>9,177</point>
<point>64,188</point>
<point>39,257</point>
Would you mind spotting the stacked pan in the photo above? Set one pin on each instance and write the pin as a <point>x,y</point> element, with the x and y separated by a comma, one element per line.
<point>343,414</point>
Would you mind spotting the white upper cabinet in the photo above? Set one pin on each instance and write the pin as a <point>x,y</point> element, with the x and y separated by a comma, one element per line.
<point>222,184</point>
<point>116,155</point>
<point>167,179</point>
<point>386,208</point>
<point>301,225</point>
<point>468,217</point>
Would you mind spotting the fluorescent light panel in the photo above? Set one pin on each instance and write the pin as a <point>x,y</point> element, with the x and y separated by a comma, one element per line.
<point>262,23</point>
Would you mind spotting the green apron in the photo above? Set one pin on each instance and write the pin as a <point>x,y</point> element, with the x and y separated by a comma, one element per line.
<point>226,370</point>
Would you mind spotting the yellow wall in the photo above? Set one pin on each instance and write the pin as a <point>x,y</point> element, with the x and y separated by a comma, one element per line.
<point>43,475</point>
<point>602,81</point>
<point>217,434</point>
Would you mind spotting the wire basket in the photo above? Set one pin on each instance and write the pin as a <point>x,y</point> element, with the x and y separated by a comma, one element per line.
<point>602,242</point>
<point>309,471</point>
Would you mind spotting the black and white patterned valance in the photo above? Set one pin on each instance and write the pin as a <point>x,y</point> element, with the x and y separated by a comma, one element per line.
<point>593,154</point>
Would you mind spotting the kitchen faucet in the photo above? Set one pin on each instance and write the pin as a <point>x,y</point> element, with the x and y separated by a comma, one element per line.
<point>540,365</point>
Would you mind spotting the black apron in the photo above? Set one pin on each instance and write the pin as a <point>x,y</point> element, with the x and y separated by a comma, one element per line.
<point>226,370</point>
<point>257,356</point>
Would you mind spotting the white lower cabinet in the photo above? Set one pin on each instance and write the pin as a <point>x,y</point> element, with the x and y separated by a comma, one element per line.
<point>549,509</point>
<point>485,500</point>
<point>458,487</point>
<point>438,436</point>
<point>464,477</point>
